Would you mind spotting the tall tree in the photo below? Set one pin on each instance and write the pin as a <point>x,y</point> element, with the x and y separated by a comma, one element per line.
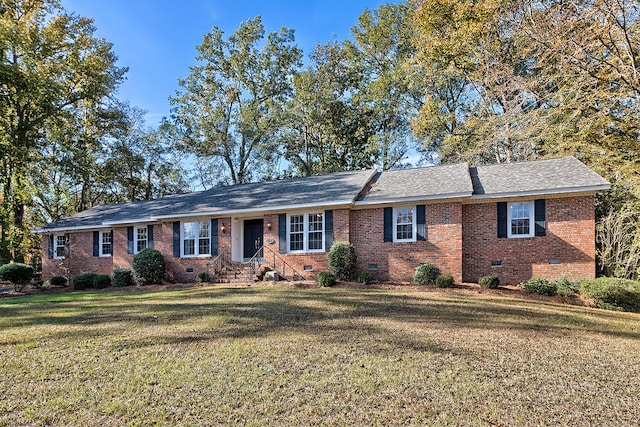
<point>50,62</point>
<point>227,106</point>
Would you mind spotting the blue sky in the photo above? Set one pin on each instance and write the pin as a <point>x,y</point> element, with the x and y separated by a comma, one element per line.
<point>156,39</point>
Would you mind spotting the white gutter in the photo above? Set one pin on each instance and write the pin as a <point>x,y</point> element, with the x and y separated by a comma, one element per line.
<point>595,188</point>
<point>413,199</point>
<point>130,221</point>
<point>76,228</point>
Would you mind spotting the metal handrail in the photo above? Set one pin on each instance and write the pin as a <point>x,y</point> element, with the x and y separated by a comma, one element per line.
<point>220,261</point>
<point>260,258</point>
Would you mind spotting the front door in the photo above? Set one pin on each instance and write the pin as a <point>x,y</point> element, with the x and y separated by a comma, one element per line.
<point>253,229</point>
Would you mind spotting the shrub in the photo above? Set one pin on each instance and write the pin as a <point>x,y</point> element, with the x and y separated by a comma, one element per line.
<point>122,277</point>
<point>538,285</point>
<point>101,281</point>
<point>148,267</point>
<point>202,277</point>
<point>83,281</point>
<point>18,274</point>
<point>365,277</point>
<point>489,282</point>
<point>444,281</point>
<point>567,288</point>
<point>58,281</point>
<point>326,279</point>
<point>342,260</point>
<point>426,274</point>
<point>613,293</point>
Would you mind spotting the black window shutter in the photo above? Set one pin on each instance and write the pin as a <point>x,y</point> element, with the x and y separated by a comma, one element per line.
<point>282,233</point>
<point>149,236</point>
<point>176,239</point>
<point>502,219</point>
<point>540,218</point>
<point>388,224</point>
<point>50,249</point>
<point>328,230</point>
<point>129,240</point>
<point>421,222</point>
<point>96,243</point>
<point>111,249</point>
<point>214,237</point>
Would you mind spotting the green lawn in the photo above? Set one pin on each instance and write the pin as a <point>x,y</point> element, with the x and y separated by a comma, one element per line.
<point>287,356</point>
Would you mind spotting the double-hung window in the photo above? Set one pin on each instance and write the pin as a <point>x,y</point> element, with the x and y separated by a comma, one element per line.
<point>106,243</point>
<point>520,219</point>
<point>141,238</point>
<point>306,232</point>
<point>404,224</point>
<point>60,246</point>
<point>196,238</point>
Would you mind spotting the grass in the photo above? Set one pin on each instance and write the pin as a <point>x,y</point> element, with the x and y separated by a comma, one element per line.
<point>286,356</point>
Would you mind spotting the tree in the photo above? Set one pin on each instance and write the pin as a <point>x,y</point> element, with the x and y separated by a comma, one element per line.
<point>50,63</point>
<point>227,106</point>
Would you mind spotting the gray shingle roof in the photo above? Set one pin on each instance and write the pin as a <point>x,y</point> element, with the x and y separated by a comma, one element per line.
<point>332,189</point>
<point>564,175</point>
<point>420,183</point>
<point>567,174</point>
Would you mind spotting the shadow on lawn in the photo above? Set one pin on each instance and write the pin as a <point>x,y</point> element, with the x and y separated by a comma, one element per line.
<point>338,314</point>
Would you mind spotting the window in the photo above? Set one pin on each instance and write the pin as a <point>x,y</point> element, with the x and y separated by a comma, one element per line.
<point>196,238</point>
<point>141,238</point>
<point>520,219</point>
<point>106,243</point>
<point>404,224</point>
<point>60,246</point>
<point>306,232</point>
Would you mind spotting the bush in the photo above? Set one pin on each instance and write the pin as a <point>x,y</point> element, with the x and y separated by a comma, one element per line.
<point>426,274</point>
<point>613,293</point>
<point>58,281</point>
<point>17,273</point>
<point>567,288</point>
<point>342,260</point>
<point>489,282</point>
<point>202,277</point>
<point>101,281</point>
<point>365,277</point>
<point>538,285</point>
<point>122,277</point>
<point>326,279</point>
<point>83,281</point>
<point>445,281</point>
<point>148,267</point>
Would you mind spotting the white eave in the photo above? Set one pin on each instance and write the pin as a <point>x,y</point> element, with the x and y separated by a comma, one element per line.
<point>412,199</point>
<point>548,192</point>
<point>65,229</point>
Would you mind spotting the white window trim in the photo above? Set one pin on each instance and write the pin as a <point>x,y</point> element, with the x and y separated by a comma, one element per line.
<point>196,245</point>
<point>56,246</point>
<point>531,221</point>
<point>136,239</point>
<point>305,234</point>
<point>102,254</point>
<point>414,225</point>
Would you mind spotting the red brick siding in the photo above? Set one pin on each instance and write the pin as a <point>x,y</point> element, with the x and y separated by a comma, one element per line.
<point>80,258</point>
<point>398,261</point>
<point>570,238</point>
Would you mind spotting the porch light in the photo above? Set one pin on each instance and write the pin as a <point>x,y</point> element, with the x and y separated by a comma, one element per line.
<point>269,225</point>
<point>223,228</point>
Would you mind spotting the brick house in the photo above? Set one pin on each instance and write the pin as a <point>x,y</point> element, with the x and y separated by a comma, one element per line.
<point>516,220</point>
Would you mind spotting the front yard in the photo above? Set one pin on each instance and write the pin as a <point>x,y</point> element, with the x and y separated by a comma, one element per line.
<point>287,356</point>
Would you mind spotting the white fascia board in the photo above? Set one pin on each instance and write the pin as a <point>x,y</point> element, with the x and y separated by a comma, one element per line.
<point>130,221</point>
<point>240,212</point>
<point>65,229</point>
<point>413,199</point>
<point>603,187</point>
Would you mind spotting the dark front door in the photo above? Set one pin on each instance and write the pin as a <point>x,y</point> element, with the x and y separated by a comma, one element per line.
<point>252,237</point>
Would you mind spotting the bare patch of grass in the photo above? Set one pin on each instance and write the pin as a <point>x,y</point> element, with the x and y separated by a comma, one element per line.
<point>288,356</point>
